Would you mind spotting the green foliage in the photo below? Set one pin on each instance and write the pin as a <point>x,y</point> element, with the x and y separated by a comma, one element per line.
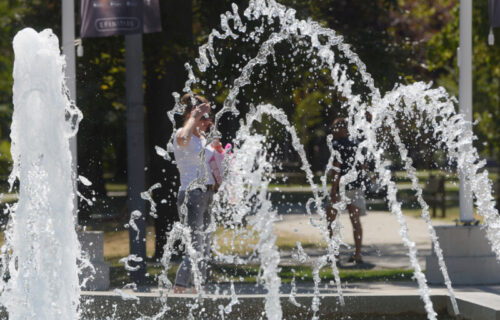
<point>11,13</point>
<point>5,158</point>
<point>309,115</point>
<point>366,25</point>
<point>249,274</point>
<point>292,79</point>
<point>390,36</point>
<point>15,15</point>
<point>100,77</point>
<point>441,59</point>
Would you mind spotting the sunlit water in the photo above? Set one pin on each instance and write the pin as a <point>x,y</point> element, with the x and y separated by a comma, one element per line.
<point>432,108</point>
<point>43,214</point>
<point>41,251</point>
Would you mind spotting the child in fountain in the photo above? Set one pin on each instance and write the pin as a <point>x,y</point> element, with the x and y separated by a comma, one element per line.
<point>188,143</point>
<point>356,206</point>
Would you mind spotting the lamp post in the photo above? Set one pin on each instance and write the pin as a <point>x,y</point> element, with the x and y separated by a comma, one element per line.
<point>465,99</point>
<point>468,255</point>
<point>68,44</point>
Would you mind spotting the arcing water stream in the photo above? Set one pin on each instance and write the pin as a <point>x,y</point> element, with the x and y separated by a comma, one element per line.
<point>44,119</point>
<point>432,108</point>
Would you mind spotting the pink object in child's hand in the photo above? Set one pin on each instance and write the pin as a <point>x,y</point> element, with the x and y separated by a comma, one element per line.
<point>228,148</point>
<point>216,161</point>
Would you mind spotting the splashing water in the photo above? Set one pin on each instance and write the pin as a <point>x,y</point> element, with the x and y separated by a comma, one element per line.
<point>41,250</point>
<point>433,109</point>
<point>148,196</point>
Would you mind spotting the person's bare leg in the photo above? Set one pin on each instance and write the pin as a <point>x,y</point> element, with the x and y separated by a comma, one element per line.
<point>357,231</point>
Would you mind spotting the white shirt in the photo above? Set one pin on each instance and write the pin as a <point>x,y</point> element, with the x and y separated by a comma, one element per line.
<point>188,162</point>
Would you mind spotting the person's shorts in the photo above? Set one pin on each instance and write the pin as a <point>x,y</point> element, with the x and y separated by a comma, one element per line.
<point>357,198</point>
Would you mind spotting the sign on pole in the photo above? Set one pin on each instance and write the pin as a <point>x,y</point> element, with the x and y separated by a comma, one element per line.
<point>68,40</point>
<point>103,18</point>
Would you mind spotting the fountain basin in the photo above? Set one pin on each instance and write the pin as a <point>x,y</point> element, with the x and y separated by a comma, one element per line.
<point>468,255</point>
<point>387,305</point>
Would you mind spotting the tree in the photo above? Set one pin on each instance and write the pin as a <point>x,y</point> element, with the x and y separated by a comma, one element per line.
<point>441,59</point>
<point>101,136</point>
<point>100,93</point>
<point>11,13</point>
<point>16,14</point>
<point>292,80</point>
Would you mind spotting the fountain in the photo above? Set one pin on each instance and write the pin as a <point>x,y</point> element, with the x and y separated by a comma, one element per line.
<point>432,108</point>
<point>242,203</point>
<point>42,252</point>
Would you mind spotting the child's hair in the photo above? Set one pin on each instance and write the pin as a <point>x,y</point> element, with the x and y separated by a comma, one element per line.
<point>340,123</point>
<point>187,102</point>
<point>339,128</point>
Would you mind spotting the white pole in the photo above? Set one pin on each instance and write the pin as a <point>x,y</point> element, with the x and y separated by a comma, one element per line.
<point>68,44</point>
<point>465,97</point>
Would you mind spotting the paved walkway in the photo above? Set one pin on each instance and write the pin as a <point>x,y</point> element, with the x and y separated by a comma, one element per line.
<point>382,244</point>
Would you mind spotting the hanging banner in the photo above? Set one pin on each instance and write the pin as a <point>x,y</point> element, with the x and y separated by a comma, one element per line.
<point>151,21</point>
<point>103,18</point>
<point>494,6</point>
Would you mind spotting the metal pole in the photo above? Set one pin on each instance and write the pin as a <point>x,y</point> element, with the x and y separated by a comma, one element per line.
<point>465,98</point>
<point>68,44</point>
<point>135,152</point>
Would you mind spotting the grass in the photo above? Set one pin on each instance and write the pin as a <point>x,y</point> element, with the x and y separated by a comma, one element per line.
<point>243,241</point>
<point>116,245</point>
<point>119,277</point>
<point>424,175</point>
<point>116,187</point>
<point>452,214</point>
<point>250,274</point>
<point>288,241</point>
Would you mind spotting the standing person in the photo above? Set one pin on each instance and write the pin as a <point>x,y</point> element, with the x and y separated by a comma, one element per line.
<point>356,206</point>
<point>188,144</point>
